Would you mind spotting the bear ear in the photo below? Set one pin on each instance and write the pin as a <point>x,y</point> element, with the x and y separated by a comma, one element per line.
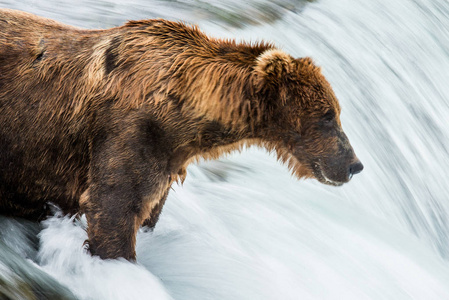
<point>272,65</point>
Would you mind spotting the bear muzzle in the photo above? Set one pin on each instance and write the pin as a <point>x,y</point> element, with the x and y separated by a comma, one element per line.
<point>355,168</point>
<point>337,174</point>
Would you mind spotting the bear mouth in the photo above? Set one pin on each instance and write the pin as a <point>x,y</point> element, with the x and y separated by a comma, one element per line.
<point>318,172</point>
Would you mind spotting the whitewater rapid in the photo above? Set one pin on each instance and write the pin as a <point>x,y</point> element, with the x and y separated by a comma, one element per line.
<point>243,228</point>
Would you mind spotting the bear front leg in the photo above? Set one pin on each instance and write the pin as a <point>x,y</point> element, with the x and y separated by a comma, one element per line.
<point>126,181</point>
<point>151,221</point>
<point>115,211</point>
<point>111,238</point>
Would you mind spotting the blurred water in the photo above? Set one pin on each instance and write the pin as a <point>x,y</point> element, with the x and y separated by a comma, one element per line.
<point>241,227</point>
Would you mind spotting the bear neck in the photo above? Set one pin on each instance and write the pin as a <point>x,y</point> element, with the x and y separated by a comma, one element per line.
<point>215,78</point>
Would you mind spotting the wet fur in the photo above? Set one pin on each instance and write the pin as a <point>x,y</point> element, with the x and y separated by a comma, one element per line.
<point>104,121</point>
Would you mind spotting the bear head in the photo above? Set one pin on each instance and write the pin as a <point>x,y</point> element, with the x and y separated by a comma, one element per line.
<point>303,119</point>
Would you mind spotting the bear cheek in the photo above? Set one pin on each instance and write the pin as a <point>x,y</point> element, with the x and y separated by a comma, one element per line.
<point>319,154</point>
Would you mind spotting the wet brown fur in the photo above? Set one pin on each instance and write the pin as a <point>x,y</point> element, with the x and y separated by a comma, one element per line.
<point>106,120</point>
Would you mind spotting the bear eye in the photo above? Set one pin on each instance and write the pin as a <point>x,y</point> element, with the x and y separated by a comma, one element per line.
<point>328,118</point>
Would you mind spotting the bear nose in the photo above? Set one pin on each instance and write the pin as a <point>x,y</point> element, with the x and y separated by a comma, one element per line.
<point>355,168</point>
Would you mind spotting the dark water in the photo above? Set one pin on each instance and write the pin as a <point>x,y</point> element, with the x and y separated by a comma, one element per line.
<point>242,228</point>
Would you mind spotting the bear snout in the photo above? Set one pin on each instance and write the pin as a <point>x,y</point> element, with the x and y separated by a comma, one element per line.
<point>355,168</point>
<point>336,172</point>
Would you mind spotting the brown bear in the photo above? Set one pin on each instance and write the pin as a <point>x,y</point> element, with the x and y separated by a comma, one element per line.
<point>104,121</point>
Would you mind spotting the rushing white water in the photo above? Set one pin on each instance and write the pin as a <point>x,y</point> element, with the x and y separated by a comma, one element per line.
<point>243,228</point>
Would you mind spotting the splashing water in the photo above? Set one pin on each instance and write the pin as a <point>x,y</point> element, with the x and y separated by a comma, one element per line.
<point>242,227</point>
